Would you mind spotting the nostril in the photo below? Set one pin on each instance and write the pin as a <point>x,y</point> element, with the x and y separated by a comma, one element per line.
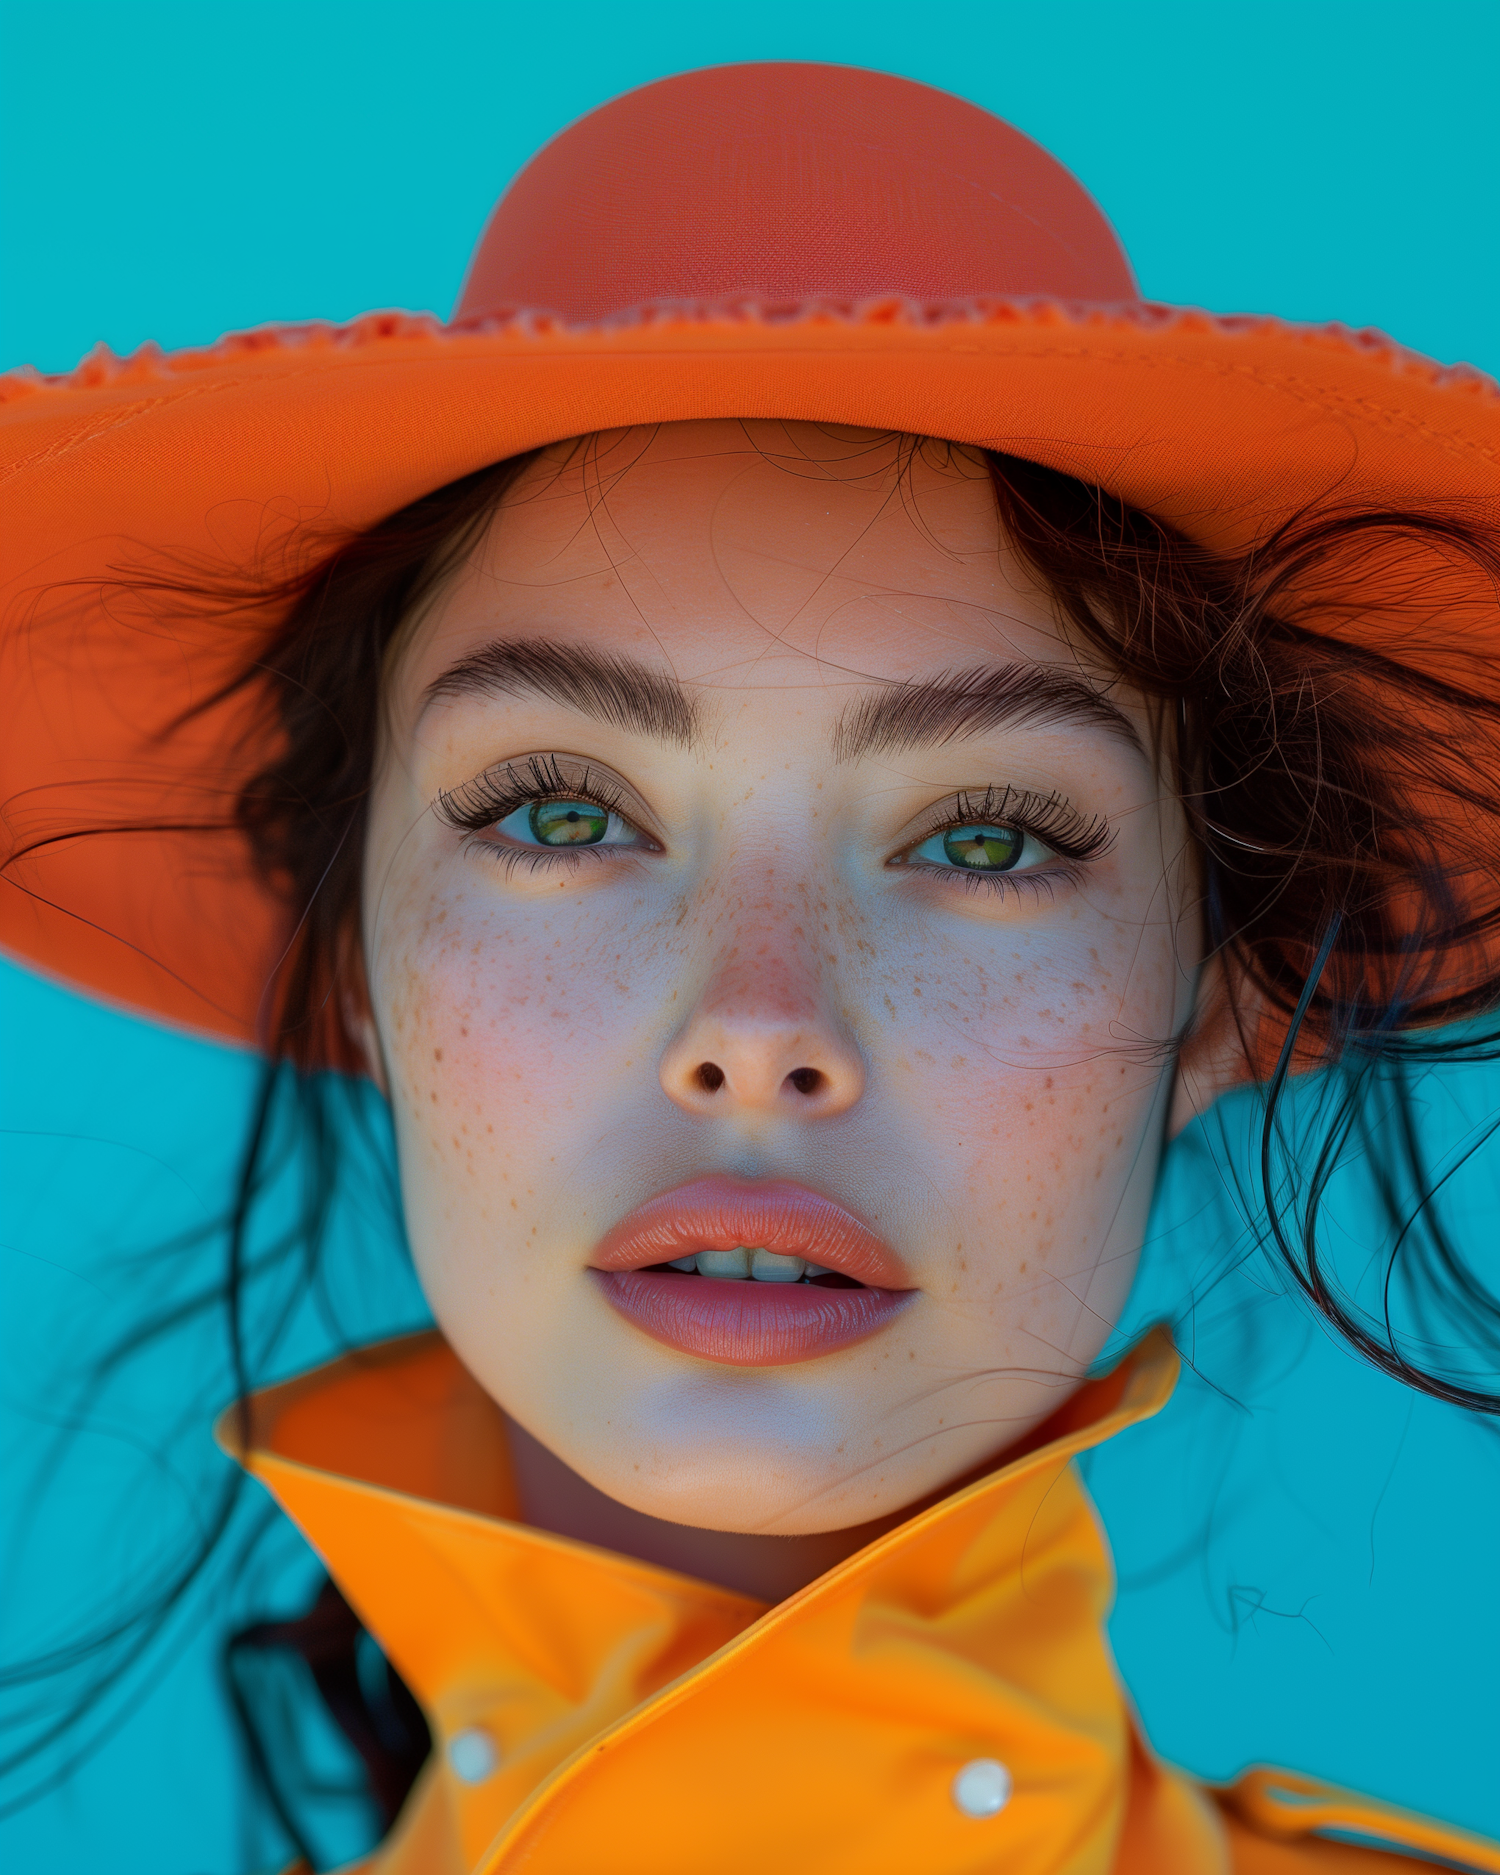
<point>806,1080</point>
<point>710,1076</point>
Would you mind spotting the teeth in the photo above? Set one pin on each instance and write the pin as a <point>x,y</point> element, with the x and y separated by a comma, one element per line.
<point>749,1262</point>
<point>746,1262</point>
<point>732,1264</point>
<point>767,1267</point>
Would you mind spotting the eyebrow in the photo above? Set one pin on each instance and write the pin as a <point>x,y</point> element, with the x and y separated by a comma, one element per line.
<point>619,691</point>
<point>958,704</point>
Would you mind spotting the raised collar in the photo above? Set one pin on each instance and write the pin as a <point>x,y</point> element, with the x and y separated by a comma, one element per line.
<point>640,1720</point>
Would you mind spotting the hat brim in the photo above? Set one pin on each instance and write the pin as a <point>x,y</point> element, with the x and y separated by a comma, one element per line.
<point>157,464</point>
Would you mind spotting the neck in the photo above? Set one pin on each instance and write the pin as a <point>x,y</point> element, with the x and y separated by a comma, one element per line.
<point>769,1568</point>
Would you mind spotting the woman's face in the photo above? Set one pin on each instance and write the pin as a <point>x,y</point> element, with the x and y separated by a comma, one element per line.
<point>754,868</point>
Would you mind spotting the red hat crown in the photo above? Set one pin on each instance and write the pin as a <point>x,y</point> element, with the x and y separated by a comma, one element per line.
<point>786,183</point>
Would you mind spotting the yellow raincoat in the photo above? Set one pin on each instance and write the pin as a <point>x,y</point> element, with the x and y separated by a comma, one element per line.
<point>942,1703</point>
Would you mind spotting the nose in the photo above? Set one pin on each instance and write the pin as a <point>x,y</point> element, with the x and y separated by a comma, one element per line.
<point>763,1041</point>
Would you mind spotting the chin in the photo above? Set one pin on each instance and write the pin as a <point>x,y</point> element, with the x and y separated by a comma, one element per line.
<point>667,1460</point>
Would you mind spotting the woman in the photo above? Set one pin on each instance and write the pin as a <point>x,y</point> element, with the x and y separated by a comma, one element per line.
<point>795,741</point>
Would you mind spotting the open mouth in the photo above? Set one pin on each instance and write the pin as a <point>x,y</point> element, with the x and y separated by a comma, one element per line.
<point>750,1274</point>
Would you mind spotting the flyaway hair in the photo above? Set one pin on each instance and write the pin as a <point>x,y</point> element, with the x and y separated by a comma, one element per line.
<point>1340,772</point>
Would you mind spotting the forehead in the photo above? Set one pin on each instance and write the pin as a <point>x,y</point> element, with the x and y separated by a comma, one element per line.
<point>743,554</point>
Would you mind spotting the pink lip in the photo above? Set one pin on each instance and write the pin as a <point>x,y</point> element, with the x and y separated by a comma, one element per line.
<point>749,1324</point>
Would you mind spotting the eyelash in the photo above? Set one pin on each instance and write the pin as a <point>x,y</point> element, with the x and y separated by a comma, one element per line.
<point>1074,837</point>
<point>495,795</point>
<point>492,797</point>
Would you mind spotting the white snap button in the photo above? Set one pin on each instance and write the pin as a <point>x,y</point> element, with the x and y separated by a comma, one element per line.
<point>472,1754</point>
<point>982,1787</point>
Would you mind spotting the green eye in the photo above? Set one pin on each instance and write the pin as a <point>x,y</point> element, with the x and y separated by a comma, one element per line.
<point>983,849</point>
<point>568,823</point>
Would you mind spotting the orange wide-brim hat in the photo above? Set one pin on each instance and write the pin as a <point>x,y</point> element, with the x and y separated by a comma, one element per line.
<point>756,241</point>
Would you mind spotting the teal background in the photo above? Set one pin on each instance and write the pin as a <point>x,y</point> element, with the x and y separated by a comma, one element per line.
<point>1306,1551</point>
<point>174,171</point>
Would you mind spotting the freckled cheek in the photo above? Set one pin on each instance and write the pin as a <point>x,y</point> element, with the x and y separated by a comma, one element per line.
<point>1023,1088</point>
<point>479,1019</point>
<point>957,1021</point>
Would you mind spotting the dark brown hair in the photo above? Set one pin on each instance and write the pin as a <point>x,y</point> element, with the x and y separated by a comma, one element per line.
<point>1338,758</point>
<point>321,679</point>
